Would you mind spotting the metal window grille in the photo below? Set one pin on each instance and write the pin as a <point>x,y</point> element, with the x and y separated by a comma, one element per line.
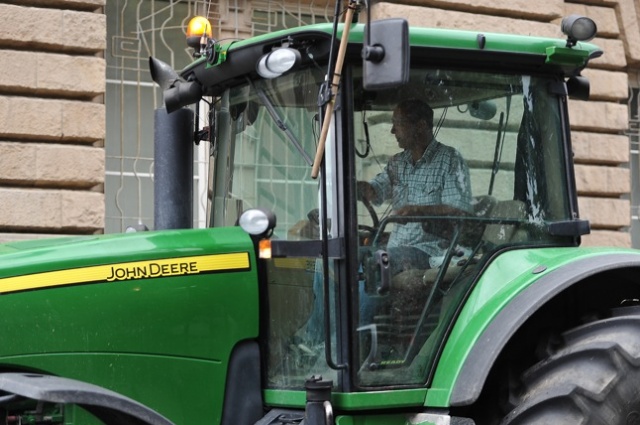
<point>137,30</point>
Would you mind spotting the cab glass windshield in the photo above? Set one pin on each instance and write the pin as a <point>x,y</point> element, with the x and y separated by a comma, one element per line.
<point>425,183</point>
<point>450,168</point>
<point>267,132</point>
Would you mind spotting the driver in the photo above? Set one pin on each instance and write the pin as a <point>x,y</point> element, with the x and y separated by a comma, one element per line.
<point>426,179</point>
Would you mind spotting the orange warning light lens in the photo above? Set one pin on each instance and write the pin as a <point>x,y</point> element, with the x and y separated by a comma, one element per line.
<point>199,26</point>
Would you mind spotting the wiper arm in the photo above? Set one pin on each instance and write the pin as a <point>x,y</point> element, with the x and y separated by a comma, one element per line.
<point>262,95</point>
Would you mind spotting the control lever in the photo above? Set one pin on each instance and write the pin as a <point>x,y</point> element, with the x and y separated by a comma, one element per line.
<point>382,261</point>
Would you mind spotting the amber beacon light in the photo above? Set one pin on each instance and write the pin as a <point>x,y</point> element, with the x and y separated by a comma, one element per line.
<point>199,31</point>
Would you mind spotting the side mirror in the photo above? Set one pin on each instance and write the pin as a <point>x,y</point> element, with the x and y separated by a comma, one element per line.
<point>578,87</point>
<point>385,54</point>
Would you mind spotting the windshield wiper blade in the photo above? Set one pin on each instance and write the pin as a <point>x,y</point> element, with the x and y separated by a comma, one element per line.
<point>262,95</point>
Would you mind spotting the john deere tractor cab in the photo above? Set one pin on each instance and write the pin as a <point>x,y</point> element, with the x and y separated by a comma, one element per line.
<point>293,305</point>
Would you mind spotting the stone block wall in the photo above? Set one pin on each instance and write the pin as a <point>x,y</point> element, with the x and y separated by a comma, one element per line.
<point>52,118</point>
<point>601,149</point>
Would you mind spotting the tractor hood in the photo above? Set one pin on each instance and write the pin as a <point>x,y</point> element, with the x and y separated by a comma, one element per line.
<point>106,309</point>
<point>23,261</point>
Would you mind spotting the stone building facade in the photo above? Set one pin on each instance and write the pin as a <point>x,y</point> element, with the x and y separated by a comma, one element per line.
<point>52,82</point>
<point>52,109</point>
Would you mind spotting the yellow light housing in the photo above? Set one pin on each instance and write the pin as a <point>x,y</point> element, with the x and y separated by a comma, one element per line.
<point>264,249</point>
<point>198,28</point>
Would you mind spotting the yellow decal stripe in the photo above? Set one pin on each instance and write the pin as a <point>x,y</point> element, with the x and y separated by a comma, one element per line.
<point>295,263</point>
<point>128,271</point>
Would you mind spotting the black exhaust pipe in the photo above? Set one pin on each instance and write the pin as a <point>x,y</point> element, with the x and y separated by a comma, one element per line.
<point>173,169</point>
<point>176,91</point>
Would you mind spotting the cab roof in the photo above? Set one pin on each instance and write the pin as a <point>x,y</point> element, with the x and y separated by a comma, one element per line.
<point>238,58</point>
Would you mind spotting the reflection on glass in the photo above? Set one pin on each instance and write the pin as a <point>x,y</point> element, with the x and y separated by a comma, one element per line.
<point>442,188</point>
<point>425,222</point>
<point>267,132</point>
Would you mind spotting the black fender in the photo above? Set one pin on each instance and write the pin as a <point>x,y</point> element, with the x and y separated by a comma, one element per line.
<point>108,406</point>
<point>483,354</point>
<point>243,391</point>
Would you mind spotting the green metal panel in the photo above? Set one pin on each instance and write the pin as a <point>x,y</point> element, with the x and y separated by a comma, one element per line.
<point>28,257</point>
<point>182,389</point>
<point>164,341</point>
<point>351,401</point>
<point>553,49</point>
<point>396,419</point>
<point>504,279</point>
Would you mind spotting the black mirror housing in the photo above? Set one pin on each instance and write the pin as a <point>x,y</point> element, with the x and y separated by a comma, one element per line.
<point>385,55</point>
<point>578,87</point>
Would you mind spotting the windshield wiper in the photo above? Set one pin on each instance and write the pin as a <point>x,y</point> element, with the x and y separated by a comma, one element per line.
<point>264,99</point>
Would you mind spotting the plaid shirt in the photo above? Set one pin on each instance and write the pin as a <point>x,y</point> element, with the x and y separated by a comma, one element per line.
<point>439,177</point>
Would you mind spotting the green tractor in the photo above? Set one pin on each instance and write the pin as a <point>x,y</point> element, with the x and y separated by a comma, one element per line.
<point>322,292</point>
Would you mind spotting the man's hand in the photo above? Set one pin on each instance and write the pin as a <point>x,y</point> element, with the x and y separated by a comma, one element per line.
<point>408,210</point>
<point>429,210</point>
<point>365,192</point>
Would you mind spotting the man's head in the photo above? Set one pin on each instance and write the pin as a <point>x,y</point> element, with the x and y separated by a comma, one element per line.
<point>412,123</point>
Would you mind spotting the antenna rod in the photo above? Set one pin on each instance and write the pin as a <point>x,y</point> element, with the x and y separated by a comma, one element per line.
<point>334,87</point>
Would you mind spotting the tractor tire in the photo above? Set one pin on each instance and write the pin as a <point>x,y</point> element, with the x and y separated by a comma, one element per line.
<point>592,379</point>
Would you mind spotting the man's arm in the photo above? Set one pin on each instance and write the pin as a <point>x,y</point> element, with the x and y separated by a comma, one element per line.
<point>430,210</point>
<point>377,190</point>
<point>455,195</point>
<point>457,185</point>
<point>365,192</point>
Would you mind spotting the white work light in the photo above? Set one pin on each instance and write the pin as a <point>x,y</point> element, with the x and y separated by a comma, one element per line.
<point>277,62</point>
<point>578,28</point>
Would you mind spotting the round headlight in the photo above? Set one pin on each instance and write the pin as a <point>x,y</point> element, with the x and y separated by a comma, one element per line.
<point>263,69</point>
<point>277,62</point>
<point>257,222</point>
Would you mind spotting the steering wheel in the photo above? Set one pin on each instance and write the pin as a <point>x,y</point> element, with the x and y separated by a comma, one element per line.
<point>369,231</point>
